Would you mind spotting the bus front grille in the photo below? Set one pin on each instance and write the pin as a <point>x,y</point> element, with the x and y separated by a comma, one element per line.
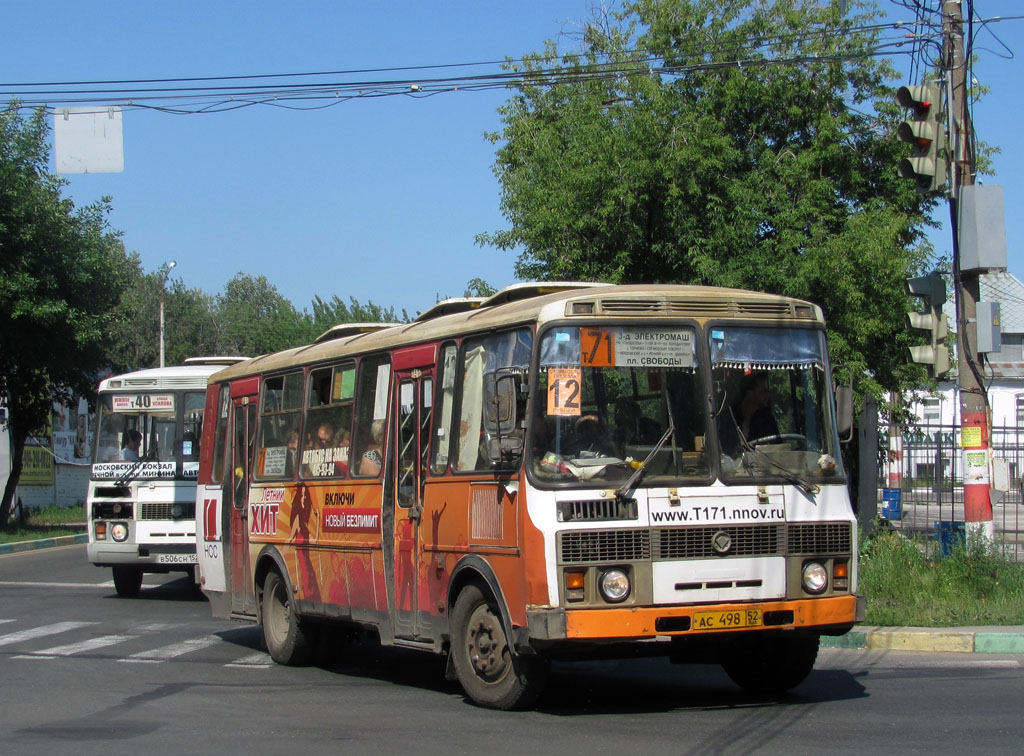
<point>714,542</point>
<point>820,538</point>
<point>151,510</point>
<point>586,546</point>
<point>698,543</point>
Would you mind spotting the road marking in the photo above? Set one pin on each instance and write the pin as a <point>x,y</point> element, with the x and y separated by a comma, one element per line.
<point>77,648</point>
<point>23,584</point>
<point>40,632</point>
<point>158,655</point>
<point>259,660</point>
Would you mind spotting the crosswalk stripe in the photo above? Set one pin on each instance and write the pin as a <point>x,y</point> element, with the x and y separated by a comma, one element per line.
<point>42,631</point>
<point>76,648</point>
<point>259,660</point>
<point>158,655</point>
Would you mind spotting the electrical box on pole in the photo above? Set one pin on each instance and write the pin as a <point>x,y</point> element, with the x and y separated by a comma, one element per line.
<point>926,133</point>
<point>935,354</point>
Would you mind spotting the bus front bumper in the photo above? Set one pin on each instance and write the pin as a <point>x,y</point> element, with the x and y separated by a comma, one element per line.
<point>826,616</point>
<point>159,557</point>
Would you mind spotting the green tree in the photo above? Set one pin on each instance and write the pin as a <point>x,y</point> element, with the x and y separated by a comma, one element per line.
<point>332,313</point>
<point>62,274</point>
<point>722,142</point>
<point>253,318</point>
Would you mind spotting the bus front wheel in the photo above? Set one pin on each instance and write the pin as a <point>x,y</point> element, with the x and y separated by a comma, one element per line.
<point>771,665</point>
<point>490,673</point>
<point>127,581</point>
<point>288,642</point>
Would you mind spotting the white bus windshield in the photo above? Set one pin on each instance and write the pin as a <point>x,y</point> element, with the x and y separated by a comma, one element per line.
<point>148,435</point>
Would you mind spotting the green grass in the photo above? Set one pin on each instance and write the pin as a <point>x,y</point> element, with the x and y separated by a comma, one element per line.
<point>904,586</point>
<point>43,523</point>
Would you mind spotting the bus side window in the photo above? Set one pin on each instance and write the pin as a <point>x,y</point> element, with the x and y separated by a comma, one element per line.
<point>371,416</point>
<point>443,419</point>
<point>220,439</point>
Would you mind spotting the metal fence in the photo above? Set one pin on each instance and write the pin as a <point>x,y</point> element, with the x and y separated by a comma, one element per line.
<point>921,485</point>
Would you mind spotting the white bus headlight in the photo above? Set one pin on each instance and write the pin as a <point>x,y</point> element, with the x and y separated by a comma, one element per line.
<point>119,531</point>
<point>614,585</point>
<point>815,577</point>
<point>177,511</point>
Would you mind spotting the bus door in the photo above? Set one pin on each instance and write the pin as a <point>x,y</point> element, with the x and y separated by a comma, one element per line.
<point>244,396</point>
<point>414,392</point>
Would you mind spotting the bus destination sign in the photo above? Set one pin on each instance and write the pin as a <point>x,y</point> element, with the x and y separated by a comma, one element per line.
<point>143,402</point>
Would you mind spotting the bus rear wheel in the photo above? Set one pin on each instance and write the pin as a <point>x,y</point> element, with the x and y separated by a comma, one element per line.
<point>288,642</point>
<point>771,665</point>
<point>127,581</point>
<point>490,673</point>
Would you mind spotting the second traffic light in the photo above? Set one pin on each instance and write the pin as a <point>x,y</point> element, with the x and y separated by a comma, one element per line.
<point>935,354</point>
<point>926,133</point>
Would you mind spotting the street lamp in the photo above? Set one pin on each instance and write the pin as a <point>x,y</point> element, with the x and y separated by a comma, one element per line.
<point>163,289</point>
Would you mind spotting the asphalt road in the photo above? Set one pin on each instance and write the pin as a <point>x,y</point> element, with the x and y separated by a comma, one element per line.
<point>84,672</point>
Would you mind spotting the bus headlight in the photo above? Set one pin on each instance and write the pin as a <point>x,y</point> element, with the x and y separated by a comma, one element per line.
<point>177,511</point>
<point>119,532</point>
<point>815,577</point>
<point>614,585</point>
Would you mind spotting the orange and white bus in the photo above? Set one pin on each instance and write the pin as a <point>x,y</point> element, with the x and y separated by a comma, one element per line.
<point>558,469</point>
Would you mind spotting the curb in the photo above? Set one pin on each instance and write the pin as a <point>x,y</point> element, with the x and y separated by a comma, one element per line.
<point>43,543</point>
<point>964,640</point>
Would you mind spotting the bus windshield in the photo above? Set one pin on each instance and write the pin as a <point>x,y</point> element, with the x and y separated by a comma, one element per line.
<point>615,399</point>
<point>612,398</point>
<point>138,434</point>
<point>773,407</point>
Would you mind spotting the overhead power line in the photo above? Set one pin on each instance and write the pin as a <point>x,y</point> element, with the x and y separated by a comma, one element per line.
<point>323,89</point>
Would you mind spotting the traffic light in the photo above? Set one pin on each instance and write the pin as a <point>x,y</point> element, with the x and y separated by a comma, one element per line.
<point>935,354</point>
<point>926,133</point>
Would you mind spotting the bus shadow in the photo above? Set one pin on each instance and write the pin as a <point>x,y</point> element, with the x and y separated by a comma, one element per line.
<point>596,687</point>
<point>655,685</point>
<point>178,589</point>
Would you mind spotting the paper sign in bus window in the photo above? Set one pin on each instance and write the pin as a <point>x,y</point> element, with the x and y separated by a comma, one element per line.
<point>564,391</point>
<point>597,347</point>
<point>654,348</point>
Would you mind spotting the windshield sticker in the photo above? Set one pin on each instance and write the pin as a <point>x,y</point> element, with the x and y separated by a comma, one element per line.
<point>564,391</point>
<point>133,470</point>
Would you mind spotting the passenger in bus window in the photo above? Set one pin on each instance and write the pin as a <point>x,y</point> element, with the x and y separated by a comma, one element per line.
<point>130,446</point>
<point>372,459</point>
<point>324,436</point>
<point>292,442</point>
<point>370,463</point>
<point>342,442</point>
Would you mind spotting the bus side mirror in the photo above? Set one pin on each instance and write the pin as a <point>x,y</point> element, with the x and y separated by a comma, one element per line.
<point>504,438</point>
<point>844,413</point>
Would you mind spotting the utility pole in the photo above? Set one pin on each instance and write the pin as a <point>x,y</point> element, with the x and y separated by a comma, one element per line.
<point>975,418</point>
<point>163,291</point>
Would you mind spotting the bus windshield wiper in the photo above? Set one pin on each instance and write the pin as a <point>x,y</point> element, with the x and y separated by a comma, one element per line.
<point>799,481</point>
<point>622,492</point>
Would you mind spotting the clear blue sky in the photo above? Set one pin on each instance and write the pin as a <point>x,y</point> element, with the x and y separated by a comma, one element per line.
<point>377,199</point>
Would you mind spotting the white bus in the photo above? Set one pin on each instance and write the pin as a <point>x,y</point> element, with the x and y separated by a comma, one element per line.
<point>142,490</point>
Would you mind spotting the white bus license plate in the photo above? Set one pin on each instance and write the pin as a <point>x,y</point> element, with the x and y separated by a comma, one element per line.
<point>177,559</point>
<point>727,620</point>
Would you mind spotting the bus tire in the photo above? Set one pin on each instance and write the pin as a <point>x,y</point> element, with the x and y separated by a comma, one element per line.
<point>288,641</point>
<point>127,581</point>
<point>490,672</point>
<point>771,665</point>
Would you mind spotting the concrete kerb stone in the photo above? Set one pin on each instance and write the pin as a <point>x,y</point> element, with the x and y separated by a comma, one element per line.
<point>43,543</point>
<point>977,640</point>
